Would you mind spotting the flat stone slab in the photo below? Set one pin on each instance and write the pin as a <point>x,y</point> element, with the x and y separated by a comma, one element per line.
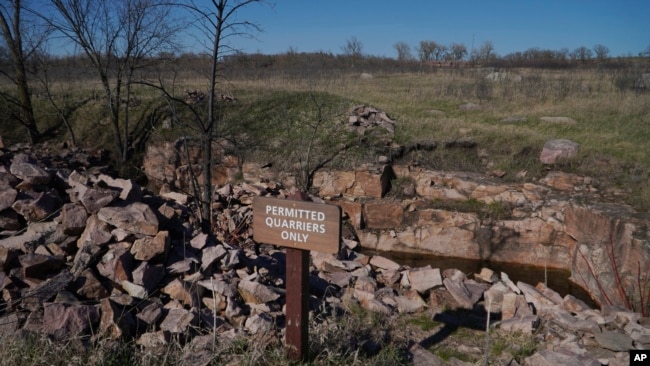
<point>461,293</point>
<point>562,357</point>
<point>557,149</point>
<point>424,279</point>
<point>95,199</point>
<point>384,263</point>
<point>136,217</point>
<point>614,341</point>
<point>30,173</point>
<point>256,293</point>
<point>178,321</point>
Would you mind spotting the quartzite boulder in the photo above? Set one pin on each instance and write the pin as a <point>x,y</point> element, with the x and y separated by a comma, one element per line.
<point>136,217</point>
<point>557,149</point>
<point>7,196</point>
<point>73,218</point>
<point>62,321</point>
<point>116,321</point>
<point>178,320</point>
<point>424,279</point>
<point>149,248</point>
<point>256,293</point>
<point>368,181</point>
<point>560,357</point>
<point>29,172</point>
<point>117,264</point>
<point>184,292</point>
<point>128,190</point>
<point>94,199</point>
<point>36,206</point>
<point>148,275</point>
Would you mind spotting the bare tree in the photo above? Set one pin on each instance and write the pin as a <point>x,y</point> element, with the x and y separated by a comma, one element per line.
<point>457,51</point>
<point>440,52</point>
<point>115,37</point>
<point>582,54</point>
<point>562,54</point>
<point>13,30</point>
<point>403,51</point>
<point>218,21</point>
<point>484,53</point>
<point>426,50</point>
<point>601,51</point>
<point>353,47</point>
<point>147,31</point>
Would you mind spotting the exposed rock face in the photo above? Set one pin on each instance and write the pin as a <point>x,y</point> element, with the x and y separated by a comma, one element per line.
<point>368,181</point>
<point>541,226</point>
<point>171,164</point>
<point>538,223</point>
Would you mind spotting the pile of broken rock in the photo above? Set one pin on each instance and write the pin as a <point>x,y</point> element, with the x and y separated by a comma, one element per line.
<point>84,253</point>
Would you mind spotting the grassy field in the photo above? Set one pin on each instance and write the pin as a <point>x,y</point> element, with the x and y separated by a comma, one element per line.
<point>612,120</point>
<point>277,115</point>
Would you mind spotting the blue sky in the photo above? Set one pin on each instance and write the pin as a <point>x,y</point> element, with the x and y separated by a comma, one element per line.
<point>319,25</point>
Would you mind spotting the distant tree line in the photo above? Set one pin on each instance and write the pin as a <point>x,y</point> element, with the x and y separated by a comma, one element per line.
<point>428,50</point>
<point>428,56</point>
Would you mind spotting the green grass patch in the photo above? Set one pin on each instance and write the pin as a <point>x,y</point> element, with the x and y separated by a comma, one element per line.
<point>424,322</point>
<point>518,345</point>
<point>446,354</point>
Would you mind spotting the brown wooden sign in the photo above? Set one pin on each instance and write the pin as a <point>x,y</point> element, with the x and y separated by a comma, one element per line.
<point>297,224</point>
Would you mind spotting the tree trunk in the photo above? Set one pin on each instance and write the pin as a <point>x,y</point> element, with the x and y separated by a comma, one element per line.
<point>114,112</point>
<point>25,101</point>
<point>206,192</point>
<point>211,126</point>
<point>125,145</point>
<point>12,36</point>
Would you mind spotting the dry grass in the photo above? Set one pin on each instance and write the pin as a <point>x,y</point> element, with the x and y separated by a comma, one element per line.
<point>354,337</point>
<point>613,120</point>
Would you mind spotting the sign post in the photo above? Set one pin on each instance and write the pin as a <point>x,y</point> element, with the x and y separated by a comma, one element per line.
<point>300,226</point>
<point>297,304</point>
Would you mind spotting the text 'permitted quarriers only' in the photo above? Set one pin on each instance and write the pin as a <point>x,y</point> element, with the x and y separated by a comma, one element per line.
<point>297,224</point>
